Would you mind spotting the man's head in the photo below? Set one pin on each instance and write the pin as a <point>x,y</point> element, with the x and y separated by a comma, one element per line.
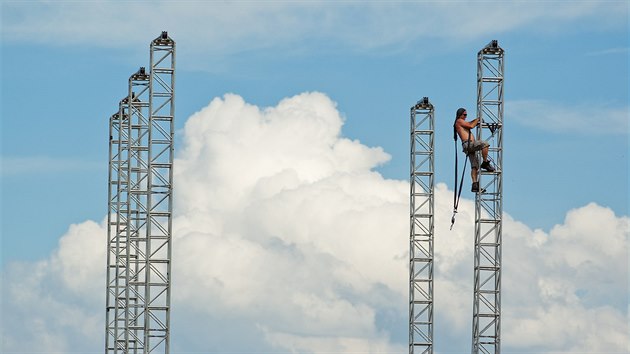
<point>461,113</point>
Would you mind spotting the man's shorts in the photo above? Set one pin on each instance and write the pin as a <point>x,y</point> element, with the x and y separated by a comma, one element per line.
<point>470,148</point>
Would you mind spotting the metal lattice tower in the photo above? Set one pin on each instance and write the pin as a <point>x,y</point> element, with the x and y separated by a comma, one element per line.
<point>117,245</point>
<point>157,260</point>
<point>486,327</point>
<point>139,189</point>
<point>140,199</point>
<point>421,228</point>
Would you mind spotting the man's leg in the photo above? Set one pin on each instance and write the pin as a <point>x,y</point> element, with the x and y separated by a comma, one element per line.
<point>486,163</point>
<point>474,171</point>
<point>475,183</point>
<point>483,146</point>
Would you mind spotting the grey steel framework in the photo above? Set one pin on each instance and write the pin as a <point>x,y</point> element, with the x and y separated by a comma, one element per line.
<point>140,201</point>
<point>157,261</point>
<point>421,228</point>
<point>486,326</point>
<point>139,146</point>
<point>117,250</point>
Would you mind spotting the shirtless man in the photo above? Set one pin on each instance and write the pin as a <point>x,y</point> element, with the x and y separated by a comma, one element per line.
<point>470,146</point>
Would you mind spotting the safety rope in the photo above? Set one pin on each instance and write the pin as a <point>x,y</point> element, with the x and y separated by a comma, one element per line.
<point>457,195</point>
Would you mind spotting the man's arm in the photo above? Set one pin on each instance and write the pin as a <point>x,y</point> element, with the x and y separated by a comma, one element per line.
<point>467,125</point>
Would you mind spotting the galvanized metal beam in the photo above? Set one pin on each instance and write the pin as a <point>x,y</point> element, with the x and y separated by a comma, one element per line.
<point>421,228</point>
<point>486,327</point>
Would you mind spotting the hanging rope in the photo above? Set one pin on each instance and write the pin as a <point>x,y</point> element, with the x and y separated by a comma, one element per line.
<point>457,194</point>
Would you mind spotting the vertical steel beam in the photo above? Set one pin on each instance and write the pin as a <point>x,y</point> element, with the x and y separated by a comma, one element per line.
<point>138,169</point>
<point>117,245</point>
<point>421,228</point>
<point>486,326</point>
<point>160,197</point>
<point>111,326</point>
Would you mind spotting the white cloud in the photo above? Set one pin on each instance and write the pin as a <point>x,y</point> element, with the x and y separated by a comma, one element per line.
<point>246,151</point>
<point>568,282</point>
<point>283,227</point>
<point>584,118</point>
<point>333,344</point>
<point>54,305</point>
<point>287,195</point>
<point>237,27</point>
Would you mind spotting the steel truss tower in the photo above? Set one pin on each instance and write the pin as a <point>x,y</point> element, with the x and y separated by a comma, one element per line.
<point>157,261</point>
<point>486,326</point>
<point>117,245</point>
<point>421,228</point>
<point>140,209</point>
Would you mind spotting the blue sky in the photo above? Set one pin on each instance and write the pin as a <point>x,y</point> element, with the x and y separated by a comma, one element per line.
<point>65,66</point>
<point>60,86</point>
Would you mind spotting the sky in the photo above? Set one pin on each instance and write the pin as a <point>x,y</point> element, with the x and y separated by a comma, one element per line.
<point>292,166</point>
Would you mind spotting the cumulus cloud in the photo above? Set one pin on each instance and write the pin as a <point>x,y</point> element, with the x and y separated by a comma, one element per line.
<point>570,286</point>
<point>286,239</point>
<point>52,305</point>
<point>283,200</point>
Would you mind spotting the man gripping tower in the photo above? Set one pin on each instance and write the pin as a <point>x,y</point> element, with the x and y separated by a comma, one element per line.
<point>470,146</point>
